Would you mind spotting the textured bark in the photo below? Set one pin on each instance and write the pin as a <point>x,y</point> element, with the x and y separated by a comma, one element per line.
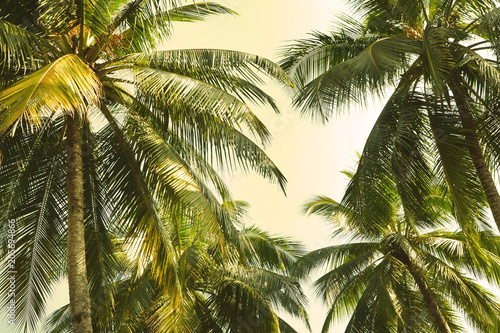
<point>426,292</point>
<point>77,273</point>
<point>432,306</point>
<point>476,153</point>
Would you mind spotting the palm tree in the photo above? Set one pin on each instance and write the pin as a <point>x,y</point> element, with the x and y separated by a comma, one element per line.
<point>236,288</point>
<point>439,60</point>
<point>137,129</point>
<point>407,274</point>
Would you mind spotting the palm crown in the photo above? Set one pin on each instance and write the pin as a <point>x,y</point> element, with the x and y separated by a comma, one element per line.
<point>438,59</point>
<point>405,275</point>
<point>235,288</point>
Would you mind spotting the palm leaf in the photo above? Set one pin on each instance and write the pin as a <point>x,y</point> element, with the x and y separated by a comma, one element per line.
<point>463,186</point>
<point>102,263</point>
<point>266,251</point>
<point>377,66</point>
<point>438,59</point>
<point>197,11</point>
<point>198,95</point>
<point>18,48</point>
<point>210,135</point>
<point>67,84</point>
<point>134,201</point>
<point>32,195</point>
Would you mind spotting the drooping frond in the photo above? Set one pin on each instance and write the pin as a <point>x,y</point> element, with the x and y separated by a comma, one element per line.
<point>197,11</point>
<point>263,250</point>
<point>368,73</point>
<point>32,194</point>
<point>437,58</point>
<point>66,85</point>
<point>453,155</point>
<point>133,201</point>
<point>209,133</point>
<point>176,179</point>
<point>231,71</point>
<point>102,263</point>
<point>59,321</point>
<point>201,60</point>
<point>178,89</point>
<point>20,49</point>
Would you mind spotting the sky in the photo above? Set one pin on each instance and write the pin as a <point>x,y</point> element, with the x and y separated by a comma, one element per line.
<point>310,155</point>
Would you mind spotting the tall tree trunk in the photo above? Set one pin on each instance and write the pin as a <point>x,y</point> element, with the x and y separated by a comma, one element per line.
<point>475,151</point>
<point>433,307</point>
<point>77,273</point>
<point>426,292</point>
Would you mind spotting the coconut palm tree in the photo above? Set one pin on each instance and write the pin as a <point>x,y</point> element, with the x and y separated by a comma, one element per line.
<point>100,130</point>
<point>438,62</point>
<point>408,274</point>
<point>236,288</point>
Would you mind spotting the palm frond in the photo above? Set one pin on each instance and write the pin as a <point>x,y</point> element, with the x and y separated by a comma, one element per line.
<point>452,153</point>
<point>59,321</point>
<point>177,180</point>
<point>438,60</point>
<point>19,48</point>
<point>201,60</point>
<point>67,84</point>
<point>133,200</point>
<point>353,80</point>
<point>310,57</point>
<point>32,196</point>
<point>197,11</point>
<point>334,256</point>
<point>211,136</point>
<point>178,89</point>
<point>263,250</point>
<point>102,263</point>
<point>142,23</point>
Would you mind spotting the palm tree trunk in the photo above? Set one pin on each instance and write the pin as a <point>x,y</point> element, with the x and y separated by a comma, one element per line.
<point>476,153</point>
<point>77,272</point>
<point>433,307</point>
<point>426,292</point>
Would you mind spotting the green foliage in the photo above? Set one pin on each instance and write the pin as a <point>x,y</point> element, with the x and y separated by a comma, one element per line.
<point>383,277</point>
<point>157,127</point>
<point>436,65</point>
<point>238,287</point>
